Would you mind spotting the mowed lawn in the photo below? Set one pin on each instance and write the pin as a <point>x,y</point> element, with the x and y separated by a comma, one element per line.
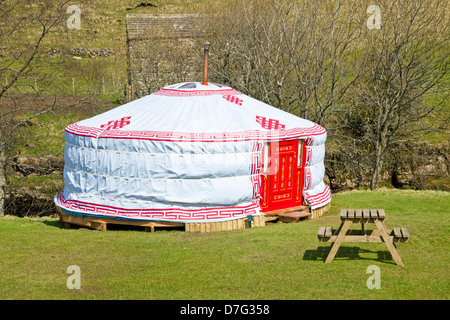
<point>280,261</point>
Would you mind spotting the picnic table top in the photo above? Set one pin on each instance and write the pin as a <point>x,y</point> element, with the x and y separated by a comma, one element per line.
<point>365,215</point>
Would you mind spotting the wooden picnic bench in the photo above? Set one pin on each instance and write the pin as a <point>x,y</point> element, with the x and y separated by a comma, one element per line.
<point>363,216</point>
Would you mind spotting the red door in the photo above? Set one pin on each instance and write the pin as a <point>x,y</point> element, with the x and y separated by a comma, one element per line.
<point>282,178</point>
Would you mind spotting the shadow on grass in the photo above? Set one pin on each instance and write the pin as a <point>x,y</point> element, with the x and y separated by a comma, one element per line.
<point>111,227</point>
<point>348,253</point>
<point>53,223</point>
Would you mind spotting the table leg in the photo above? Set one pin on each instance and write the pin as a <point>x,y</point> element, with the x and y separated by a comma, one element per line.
<point>337,243</point>
<point>389,243</point>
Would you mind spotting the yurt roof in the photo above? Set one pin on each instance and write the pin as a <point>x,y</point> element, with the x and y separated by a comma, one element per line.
<point>192,111</point>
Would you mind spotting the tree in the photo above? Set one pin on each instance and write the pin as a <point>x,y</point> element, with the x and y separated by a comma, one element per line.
<point>24,27</point>
<point>294,55</point>
<point>401,94</point>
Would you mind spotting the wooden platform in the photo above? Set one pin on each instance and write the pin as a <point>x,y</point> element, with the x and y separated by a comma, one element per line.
<point>294,214</point>
<point>101,223</point>
<point>244,223</point>
<point>318,212</point>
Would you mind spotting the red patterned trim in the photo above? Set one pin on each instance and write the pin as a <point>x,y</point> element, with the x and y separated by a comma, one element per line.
<point>173,214</point>
<point>270,124</point>
<point>320,198</point>
<point>233,99</point>
<point>256,182</point>
<point>84,131</point>
<point>308,156</point>
<point>249,135</point>
<point>308,178</point>
<point>256,158</point>
<point>195,93</point>
<point>255,169</point>
<point>116,124</point>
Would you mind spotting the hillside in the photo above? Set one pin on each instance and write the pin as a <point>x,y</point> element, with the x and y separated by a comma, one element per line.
<point>95,55</point>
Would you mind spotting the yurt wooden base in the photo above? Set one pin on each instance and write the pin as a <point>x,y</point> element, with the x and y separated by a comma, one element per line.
<point>286,215</point>
<point>244,223</point>
<point>101,223</point>
<point>316,213</point>
<point>295,214</point>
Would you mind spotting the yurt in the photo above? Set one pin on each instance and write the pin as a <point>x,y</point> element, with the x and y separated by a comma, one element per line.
<point>195,154</point>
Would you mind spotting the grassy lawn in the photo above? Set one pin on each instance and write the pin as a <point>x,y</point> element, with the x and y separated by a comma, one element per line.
<point>279,261</point>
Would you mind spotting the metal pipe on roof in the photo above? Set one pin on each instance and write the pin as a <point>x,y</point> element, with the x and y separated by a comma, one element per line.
<point>205,68</point>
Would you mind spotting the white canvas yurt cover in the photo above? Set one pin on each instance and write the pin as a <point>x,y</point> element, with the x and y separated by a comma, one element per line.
<point>187,153</point>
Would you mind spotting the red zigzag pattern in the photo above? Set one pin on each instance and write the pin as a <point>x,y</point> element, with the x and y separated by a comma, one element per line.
<point>233,99</point>
<point>195,137</point>
<point>172,214</point>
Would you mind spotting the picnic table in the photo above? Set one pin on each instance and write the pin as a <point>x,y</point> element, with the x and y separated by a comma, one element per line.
<point>363,216</point>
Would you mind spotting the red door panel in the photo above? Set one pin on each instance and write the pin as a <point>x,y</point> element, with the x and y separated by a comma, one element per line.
<point>281,186</point>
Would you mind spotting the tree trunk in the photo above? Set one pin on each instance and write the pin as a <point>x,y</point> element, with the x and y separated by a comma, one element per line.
<point>378,165</point>
<point>2,182</point>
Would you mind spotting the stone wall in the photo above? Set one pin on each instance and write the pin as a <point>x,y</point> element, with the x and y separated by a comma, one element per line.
<point>416,165</point>
<point>162,50</point>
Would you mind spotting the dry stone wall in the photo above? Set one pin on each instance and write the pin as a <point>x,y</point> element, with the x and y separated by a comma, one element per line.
<point>162,50</point>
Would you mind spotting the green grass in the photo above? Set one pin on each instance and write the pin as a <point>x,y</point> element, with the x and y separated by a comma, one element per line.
<point>45,134</point>
<point>279,261</point>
